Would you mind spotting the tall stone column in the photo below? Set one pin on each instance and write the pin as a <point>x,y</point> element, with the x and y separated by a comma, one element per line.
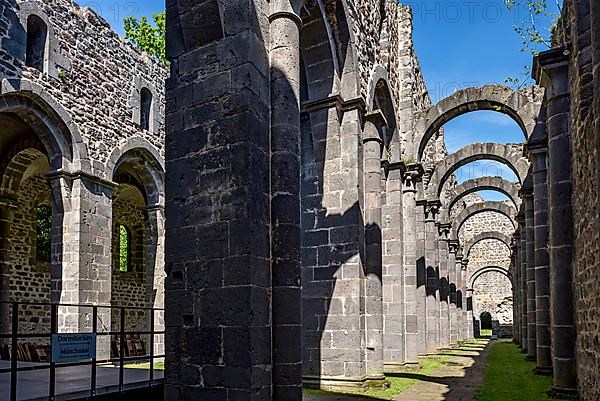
<point>469,319</point>
<point>432,274</point>
<point>394,341</point>
<point>7,207</point>
<point>516,268</point>
<point>285,201</point>
<point>421,275</point>
<point>444,284</point>
<point>81,250</point>
<point>155,270</point>
<point>372,152</point>
<point>552,71</point>
<point>232,289</point>
<point>412,318</point>
<point>523,276</point>
<point>461,297</point>
<point>537,151</point>
<point>454,280</point>
<point>530,272</point>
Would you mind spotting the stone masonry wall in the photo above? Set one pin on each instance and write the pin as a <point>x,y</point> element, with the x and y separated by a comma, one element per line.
<point>29,278</point>
<point>129,288</point>
<point>585,199</point>
<point>98,80</point>
<point>492,290</point>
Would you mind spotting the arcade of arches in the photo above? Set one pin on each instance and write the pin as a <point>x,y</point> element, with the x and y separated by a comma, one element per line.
<point>288,196</point>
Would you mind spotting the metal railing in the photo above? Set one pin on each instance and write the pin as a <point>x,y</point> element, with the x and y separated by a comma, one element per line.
<point>15,336</point>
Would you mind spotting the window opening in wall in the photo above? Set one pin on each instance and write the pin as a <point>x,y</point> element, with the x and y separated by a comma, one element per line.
<point>145,108</point>
<point>486,321</point>
<point>124,249</point>
<point>37,33</point>
<point>43,238</point>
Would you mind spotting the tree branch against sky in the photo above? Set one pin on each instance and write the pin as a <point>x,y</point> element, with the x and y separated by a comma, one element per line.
<point>536,25</point>
<point>147,37</point>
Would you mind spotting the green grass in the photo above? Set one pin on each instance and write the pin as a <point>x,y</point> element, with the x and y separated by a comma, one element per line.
<point>508,377</point>
<point>486,332</point>
<point>398,381</point>
<point>158,365</point>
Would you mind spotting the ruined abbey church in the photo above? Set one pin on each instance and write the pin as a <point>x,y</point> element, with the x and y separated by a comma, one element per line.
<point>276,209</point>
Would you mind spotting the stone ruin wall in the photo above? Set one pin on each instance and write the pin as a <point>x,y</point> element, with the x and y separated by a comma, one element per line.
<point>129,288</point>
<point>97,74</point>
<point>388,41</point>
<point>29,277</point>
<point>96,77</point>
<point>492,290</point>
<point>586,193</point>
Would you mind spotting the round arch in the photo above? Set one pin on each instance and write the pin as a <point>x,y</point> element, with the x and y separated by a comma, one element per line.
<point>49,120</point>
<point>473,278</point>
<point>143,161</point>
<point>510,155</point>
<point>495,235</point>
<point>477,208</point>
<point>382,99</point>
<point>499,184</point>
<point>523,107</point>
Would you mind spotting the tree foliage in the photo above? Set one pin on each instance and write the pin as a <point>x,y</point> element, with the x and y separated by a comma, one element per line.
<point>147,37</point>
<point>124,249</point>
<point>43,239</point>
<point>536,26</point>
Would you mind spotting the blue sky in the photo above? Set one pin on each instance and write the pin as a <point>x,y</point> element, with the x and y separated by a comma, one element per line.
<point>459,43</point>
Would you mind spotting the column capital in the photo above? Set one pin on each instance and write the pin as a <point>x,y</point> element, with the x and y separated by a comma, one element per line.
<point>444,230</point>
<point>373,127</point>
<point>286,14</point>
<point>548,64</point>
<point>465,263</point>
<point>431,207</point>
<point>412,175</point>
<point>81,175</point>
<point>453,247</point>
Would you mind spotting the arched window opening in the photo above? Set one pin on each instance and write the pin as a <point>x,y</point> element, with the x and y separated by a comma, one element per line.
<point>43,235</point>
<point>145,108</point>
<point>124,249</point>
<point>37,33</point>
<point>486,321</point>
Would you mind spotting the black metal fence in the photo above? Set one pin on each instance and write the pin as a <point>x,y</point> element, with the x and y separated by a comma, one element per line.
<point>122,357</point>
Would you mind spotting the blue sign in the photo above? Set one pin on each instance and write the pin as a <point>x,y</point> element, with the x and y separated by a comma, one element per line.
<point>73,347</point>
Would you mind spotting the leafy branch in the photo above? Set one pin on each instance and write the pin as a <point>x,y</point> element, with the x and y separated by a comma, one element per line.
<point>147,37</point>
<point>534,30</point>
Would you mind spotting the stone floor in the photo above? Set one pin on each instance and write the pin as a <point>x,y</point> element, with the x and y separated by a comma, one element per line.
<point>457,380</point>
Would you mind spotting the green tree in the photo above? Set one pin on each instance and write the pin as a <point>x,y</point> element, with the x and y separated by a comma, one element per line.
<point>537,28</point>
<point>148,37</point>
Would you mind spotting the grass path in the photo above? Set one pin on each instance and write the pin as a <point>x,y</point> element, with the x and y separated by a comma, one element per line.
<point>509,377</point>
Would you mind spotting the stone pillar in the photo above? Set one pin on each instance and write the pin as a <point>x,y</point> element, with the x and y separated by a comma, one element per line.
<point>530,274</point>
<point>460,298</point>
<point>516,268</point>
<point>421,275</point>
<point>413,319</point>
<point>469,320</point>
<point>285,201</point>
<point>155,270</point>
<point>444,284</point>
<point>552,71</point>
<point>223,318</point>
<point>538,150</point>
<point>454,280</point>
<point>6,211</point>
<point>393,266</point>
<point>81,267</point>
<point>373,298</point>
<point>432,274</point>
<point>523,276</point>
